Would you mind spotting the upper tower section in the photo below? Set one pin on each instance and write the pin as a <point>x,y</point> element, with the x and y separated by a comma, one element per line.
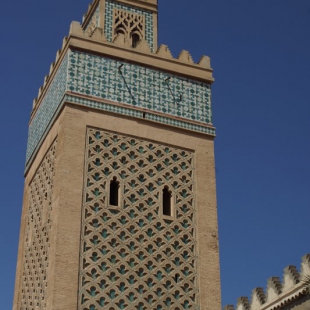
<point>131,21</point>
<point>112,62</point>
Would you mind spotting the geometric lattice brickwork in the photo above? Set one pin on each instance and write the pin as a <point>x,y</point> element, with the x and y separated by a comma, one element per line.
<point>37,235</point>
<point>132,257</point>
<point>111,5</point>
<point>128,23</point>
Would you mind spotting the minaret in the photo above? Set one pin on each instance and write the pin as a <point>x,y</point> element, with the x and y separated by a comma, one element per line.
<point>119,207</point>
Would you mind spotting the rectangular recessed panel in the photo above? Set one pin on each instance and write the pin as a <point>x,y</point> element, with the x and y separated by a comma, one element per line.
<point>138,86</point>
<point>132,256</point>
<point>149,27</point>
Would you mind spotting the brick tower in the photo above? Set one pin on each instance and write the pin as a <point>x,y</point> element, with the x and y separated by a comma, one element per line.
<point>119,206</point>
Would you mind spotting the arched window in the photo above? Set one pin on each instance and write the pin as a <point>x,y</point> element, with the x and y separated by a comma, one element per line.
<point>135,39</point>
<point>167,205</point>
<point>120,30</point>
<point>114,193</point>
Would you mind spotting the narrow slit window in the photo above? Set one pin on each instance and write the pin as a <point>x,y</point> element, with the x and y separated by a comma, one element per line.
<point>135,39</point>
<point>177,278</point>
<point>167,205</point>
<point>114,193</point>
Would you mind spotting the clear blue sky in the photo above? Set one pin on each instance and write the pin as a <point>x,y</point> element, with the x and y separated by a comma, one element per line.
<point>260,52</point>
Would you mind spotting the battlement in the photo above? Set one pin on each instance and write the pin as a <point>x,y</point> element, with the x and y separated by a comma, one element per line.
<point>126,29</point>
<point>278,293</point>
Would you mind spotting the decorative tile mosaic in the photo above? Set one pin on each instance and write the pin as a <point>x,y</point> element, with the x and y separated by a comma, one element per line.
<point>110,5</point>
<point>103,106</point>
<point>133,85</point>
<point>138,114</point>
<point>139,86</point>
<point>130,256</point>
<point>47,108</point>
<point>93,22</point>
<point>177,123</point>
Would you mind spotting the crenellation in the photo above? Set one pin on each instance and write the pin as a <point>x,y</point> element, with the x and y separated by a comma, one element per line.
<point>64,42</point>
<point>40,91</point>
<point>76,29</point>
<point>99,35</point>
<point>58,55</point>
<point>305,265</point>
<point>278,294</point>
<point>89,31</point>
<point>258,298</point>
<point>89,9</point>
<point>243,303</point>
<point>185,56</point>
<point>121,40</point>
<point>205,62</point>
<point>143,47</point>
<point>45,80</point>
<point>51,68</point>
<point>164,51</point>
<point>274,288</point>
<point>291,277</point>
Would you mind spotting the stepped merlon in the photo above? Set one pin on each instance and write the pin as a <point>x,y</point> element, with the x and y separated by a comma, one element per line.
<point>278,294</point>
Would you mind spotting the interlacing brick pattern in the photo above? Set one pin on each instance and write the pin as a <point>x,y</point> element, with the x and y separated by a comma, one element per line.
<point>37,235</point>
<point>111,6</point>
<point>128,23</point>
<point>132,257</point>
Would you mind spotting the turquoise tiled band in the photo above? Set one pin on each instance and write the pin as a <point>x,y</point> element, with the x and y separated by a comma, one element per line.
<point>127,83</point>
